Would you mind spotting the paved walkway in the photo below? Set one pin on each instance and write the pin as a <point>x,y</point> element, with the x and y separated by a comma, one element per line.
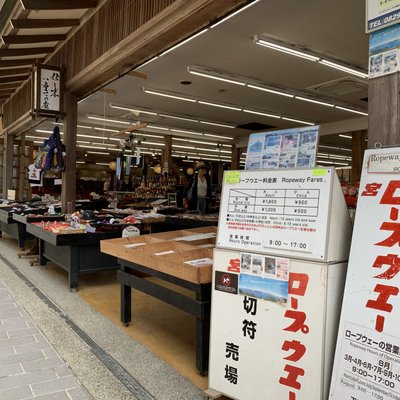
<point>29,366</point>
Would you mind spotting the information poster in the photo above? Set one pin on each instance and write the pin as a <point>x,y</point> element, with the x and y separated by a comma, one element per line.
<point>367,360</point>
<point>384,52</point>
<point>283,212</point>
<point>267,348</point>
<point>382,13</point>
<point>288,148</point>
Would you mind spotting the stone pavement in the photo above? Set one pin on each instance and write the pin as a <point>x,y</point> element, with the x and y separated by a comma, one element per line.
<point>29,366</point>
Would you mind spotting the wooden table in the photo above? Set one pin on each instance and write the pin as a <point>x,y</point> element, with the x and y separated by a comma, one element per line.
<point>76,253</point>
<point>140,263</point>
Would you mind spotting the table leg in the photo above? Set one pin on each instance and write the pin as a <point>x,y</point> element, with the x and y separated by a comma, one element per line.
<point>73,271</point>
<point>126,302</point>
<point>203,329</point>
<point>42,258</point>
<point>21,235</point>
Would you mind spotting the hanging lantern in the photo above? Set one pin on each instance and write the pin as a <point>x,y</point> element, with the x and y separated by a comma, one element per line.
<point>112,165</point>
<point>157,169</point>
<point>190,171</point>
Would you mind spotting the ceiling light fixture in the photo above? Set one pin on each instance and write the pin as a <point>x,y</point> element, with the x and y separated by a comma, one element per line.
<point>350,110</point>
<point>346,136</point>
<point>234,13</point>
<point>262,113</point>
<point>171,96</point>
<point>274,91</point>
<point>134,110</point>
<point>297,51</point>
<point>116,121</point>
<point>179,118</point>
<point>208,103</point>
<point>218,136</point>
<point>298,120</point>
<point>213,75</point>
<point>322,103</point>
<point>98,152</point>
<point>217,124</point>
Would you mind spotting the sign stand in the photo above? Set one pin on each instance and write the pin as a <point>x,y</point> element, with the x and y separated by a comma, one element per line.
<point>279,271</point>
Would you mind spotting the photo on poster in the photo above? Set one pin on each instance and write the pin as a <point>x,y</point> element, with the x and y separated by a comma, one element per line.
<point>264,288</point>
<point>289,148</point>
<point>390,62</point>
<point>270,266</point>
<point>282,269</point>
<point>257,265</point>
<point>245,262</point>
<point>376,65</point>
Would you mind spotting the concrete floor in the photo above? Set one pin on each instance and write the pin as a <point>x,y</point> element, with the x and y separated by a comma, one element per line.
<point>152,359</point>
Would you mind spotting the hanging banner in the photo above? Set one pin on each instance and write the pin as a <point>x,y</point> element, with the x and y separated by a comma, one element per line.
<point>367,360</point>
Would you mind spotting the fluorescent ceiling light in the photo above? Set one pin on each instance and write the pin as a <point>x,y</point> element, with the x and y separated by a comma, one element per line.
<point>207,103</point>
<point>116,121</point>
<point>134,110</point>
<point>284,49</point>
<point>92,147</point>
<point>91,136</point>
<point>218,136</point>
<point>343,68</point>
<point>185,131</point>
<point>350,110</point>
<point>81,162</point>
<point>274,91</point>
<point>184,42</point>
<point>172,96</point>
<point>179,118</point>
<point>157,127</point>
<point>216,124</point>
<point>102,163</point>
<point>322,103</point>
<point>214,75</point>
<point>183,147</point>
<point>346,136</point>
<point>262,113</point>
<point>84,126</point>
<point>298,120</point>
<point>234,13</point>
<point>43,131</point>
<point>98,152</point>
<point>99,128</point>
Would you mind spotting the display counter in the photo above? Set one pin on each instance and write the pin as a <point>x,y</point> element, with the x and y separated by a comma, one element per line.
<point>76,253</point>
<point>183,258</point>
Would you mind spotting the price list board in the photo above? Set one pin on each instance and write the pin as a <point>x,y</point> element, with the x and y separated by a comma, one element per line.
<point>276,211</point>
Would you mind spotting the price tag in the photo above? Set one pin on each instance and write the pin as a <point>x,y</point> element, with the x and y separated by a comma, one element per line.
<point>319,172</point>
<point>232,177</point>
<point>288,245</point>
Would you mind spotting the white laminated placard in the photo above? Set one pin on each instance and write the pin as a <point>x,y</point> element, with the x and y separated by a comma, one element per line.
<point>262,347</point>
<point>381,13</point>
<point>367,360</point>
<point>283,212</point>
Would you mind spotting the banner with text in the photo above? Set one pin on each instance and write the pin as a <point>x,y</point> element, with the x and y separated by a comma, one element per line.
<point>367,360</point>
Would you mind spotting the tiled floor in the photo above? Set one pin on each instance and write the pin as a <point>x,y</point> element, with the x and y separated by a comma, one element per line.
<point>29,366</point>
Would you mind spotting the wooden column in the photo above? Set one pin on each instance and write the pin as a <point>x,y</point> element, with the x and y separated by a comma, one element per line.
<point>22,173</point>
<point>358,146</point>
<point>167,155</point>
<point>8,160</point>
<point>384,111</point>
<point>235,157</point>
<point>68,189</point>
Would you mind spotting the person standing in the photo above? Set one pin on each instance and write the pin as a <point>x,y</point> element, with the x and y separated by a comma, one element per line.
<point>197,193</point>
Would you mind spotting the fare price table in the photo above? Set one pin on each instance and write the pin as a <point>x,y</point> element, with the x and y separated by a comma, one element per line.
<point>281,210</point>
<point>270,201</point>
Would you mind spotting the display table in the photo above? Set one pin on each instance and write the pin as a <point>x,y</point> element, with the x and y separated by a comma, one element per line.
<point>76,253</point>
<point>164,257</point>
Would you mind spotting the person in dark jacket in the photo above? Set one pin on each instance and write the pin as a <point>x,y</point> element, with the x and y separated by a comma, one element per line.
<point>197,193</point>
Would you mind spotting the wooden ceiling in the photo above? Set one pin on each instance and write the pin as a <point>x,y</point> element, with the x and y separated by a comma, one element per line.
<point>31,31</point>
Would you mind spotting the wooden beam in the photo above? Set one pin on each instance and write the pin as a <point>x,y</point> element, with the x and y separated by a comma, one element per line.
<point>109,91</point>
<point>15,71</point>
<point>58,5</point>
<point>136,74</point>
<point>7,85</point>
<point>16,63</point>
<point>43,23</point>
<point>25,52</point>
<point>14,79</point>
<point>22,39</point>
<point>6,91</point>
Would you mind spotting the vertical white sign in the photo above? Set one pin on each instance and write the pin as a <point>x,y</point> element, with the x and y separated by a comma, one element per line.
<point>367,360</point>
<point>50,89</point>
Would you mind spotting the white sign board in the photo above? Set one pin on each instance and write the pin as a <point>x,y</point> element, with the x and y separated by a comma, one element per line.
<point>382,13</point>
<point>367,360</point>
<point>284,212</point>
<point>271,349</point>
<point>48,90</point>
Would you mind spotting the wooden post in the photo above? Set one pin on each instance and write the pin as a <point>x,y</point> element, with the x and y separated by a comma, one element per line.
<point>22,173</point>
<point>235,157</point>
<point>8,161</point>
<point>358,146</point>
<point>68,189</point>
<point>167,155</point>
<point>384,111</point>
